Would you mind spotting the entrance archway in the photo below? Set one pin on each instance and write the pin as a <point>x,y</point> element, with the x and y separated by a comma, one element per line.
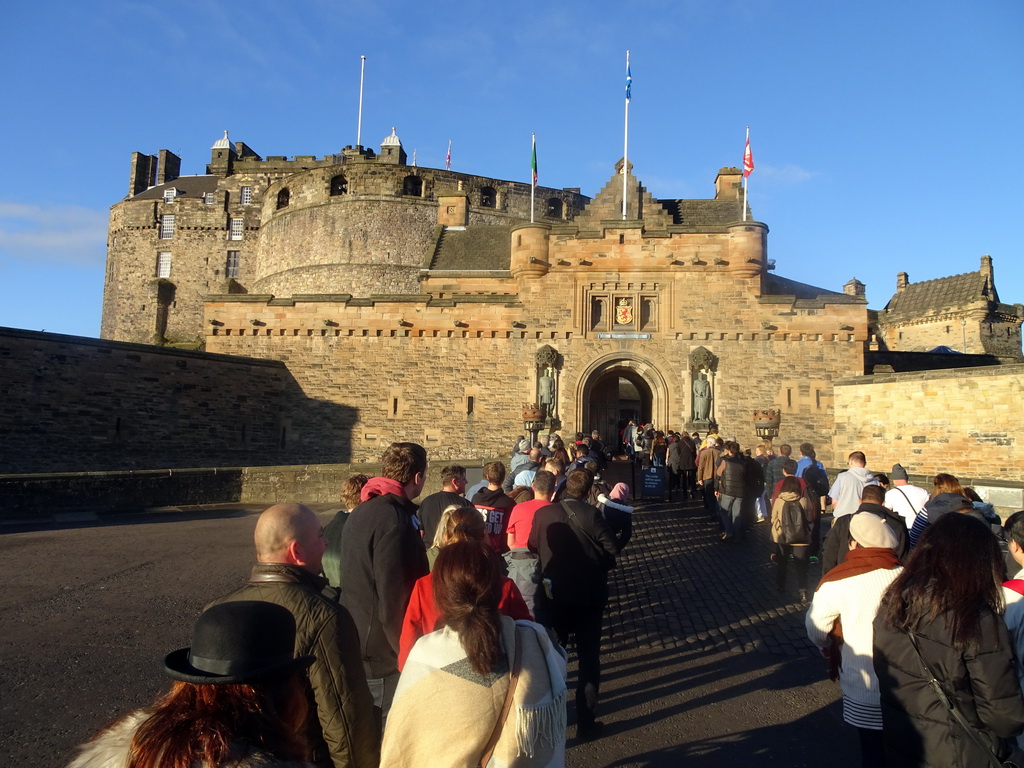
<point>618,388</point>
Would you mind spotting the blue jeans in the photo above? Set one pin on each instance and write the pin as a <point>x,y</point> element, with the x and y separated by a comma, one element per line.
<point>732,514</point>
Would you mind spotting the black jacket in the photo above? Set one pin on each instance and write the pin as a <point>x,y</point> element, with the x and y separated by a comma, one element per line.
<point>342,727</point>
<point>575,555</point>
<point>730,481</point>
<point>382,556</point>
<point>431,509</point>
<point>918,729</point>
<point>837,543</point>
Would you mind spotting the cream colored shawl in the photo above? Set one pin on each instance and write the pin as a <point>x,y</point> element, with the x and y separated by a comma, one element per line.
<point>444,711</point>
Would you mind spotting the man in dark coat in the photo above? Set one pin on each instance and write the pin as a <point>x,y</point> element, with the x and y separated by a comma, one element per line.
<point>382,556</point>
<point>576,549</point>
<point>342,728</point>
<point>453,486</point>
<point>872,499</point>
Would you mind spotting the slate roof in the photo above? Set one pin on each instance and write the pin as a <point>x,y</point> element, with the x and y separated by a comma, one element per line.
<point>704,213</point>
<point>187,186</point>
<point>944,294</point>
<point>774,285</point>
<point>477,247</point>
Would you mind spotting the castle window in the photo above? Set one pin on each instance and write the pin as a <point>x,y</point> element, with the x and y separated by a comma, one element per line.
<point>488,197</point>
<point>648,314</point>
<point>283,198</point>
<point>231,266</point>
<point>210,199</point>
<point>339,186</point>
<point>163,264</point>
<point>413,186</point>
<point>246,196</point>
<point>167,226</point>
<point>554,208</point>
<point>235,228</point>
<point>170,194</point>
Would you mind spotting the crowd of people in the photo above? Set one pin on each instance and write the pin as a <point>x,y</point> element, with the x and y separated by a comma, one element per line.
<point>401,632</point>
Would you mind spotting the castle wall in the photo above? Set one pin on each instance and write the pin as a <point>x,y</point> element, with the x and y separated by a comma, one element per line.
<point>371,240</point>
<point>984,333</point>
<point>409,367</point>
<point>77,404</point>
<point>965,421</point>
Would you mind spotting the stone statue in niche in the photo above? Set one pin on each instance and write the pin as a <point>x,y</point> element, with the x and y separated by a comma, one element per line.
<point>701,397</point>
<point>703,364</point>
<point>547,381</point>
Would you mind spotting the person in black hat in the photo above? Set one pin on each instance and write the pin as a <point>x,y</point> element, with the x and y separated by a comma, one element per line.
<point>238,700</point>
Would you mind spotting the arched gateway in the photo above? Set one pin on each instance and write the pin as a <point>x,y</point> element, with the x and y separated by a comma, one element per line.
<point>617,388</point>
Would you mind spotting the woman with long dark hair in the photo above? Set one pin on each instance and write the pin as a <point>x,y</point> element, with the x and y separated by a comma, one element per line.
<point>483,689</point>
<point>238,700</point>
<point>939,626</point>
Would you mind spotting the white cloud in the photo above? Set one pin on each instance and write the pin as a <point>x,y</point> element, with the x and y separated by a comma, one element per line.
<point>67,234</point>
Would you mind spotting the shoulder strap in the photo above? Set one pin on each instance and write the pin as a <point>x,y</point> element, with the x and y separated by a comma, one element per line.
<point>517,664</point>
<point>577,526</point>
<point>969,729</point>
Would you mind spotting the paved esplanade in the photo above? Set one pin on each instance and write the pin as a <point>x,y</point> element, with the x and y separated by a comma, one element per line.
<point>704,665</point>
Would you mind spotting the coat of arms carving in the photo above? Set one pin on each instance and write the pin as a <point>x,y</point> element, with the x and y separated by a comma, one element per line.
<point>624,311</point>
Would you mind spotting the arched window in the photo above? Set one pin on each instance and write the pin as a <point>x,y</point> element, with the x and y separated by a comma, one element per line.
<point>488,197</point>
<point>554,208</point>
<point>283,198</point>
<point>413,185</point>
<point>339,185</point>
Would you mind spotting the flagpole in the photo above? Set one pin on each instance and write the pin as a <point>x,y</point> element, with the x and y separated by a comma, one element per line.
<point>359,126</point>
<point>533,174</point>
<point>746,149</point>
<point>625,141</point>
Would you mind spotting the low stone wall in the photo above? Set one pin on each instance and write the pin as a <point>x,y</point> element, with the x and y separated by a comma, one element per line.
<point>31,497</point>
<point>968,422</point>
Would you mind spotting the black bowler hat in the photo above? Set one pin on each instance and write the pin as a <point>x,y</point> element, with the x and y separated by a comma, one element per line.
<point>237,642</point>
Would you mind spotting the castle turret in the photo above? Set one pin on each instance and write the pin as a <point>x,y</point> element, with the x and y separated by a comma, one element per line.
<point>530,251</point>
<point>391,151</point>
<point>223,157</point>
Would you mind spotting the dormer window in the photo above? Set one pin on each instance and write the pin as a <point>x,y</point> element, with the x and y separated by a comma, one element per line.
<point>210,198</point>
<point>170,194</point>
<point>245,196</point>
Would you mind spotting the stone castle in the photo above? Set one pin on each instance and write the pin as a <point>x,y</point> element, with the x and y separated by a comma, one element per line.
<point>429,305</point>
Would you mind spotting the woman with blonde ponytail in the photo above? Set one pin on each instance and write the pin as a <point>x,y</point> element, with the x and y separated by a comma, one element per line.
<point>421,615</point>
<point>484,689</point>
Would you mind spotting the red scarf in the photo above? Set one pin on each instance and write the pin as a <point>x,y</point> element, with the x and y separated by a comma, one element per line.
<point>378,486</point>
<point>858,561</point>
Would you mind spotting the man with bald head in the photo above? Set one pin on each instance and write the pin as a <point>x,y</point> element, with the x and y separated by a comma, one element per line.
<point>341,726</point>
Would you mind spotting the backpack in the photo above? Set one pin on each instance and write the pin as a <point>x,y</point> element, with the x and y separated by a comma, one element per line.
<point>794,524</point>
<point>816,480</point>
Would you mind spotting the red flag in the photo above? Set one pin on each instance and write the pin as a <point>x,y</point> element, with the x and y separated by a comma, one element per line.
<point>748,159</point>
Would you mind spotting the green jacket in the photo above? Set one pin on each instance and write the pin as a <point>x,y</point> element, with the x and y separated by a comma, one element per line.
<point>342,726</point>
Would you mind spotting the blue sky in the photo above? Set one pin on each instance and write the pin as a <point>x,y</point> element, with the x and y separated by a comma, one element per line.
<point>885,133</point>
